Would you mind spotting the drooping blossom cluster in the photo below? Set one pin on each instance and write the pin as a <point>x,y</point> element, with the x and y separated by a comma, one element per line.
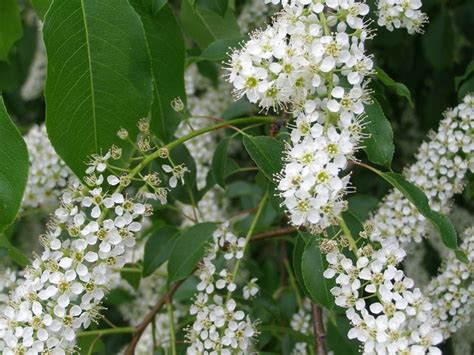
<point>312,62</point>
<point>48,174</point>
<point>220,327</point>
<point>401,14</point>
<point>34,84</point>
<point>84,245</point>
<point>452,291</point>
<point>388,314</point>
<point>440,170</point>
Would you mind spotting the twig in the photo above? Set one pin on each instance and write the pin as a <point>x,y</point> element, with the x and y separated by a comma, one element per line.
<point>274,233</point>
<point>318,326</point>
<point>140,328</point>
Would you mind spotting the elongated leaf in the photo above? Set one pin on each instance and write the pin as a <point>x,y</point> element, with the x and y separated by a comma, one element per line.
<point>13,177</point>
<point>13,168</point>
<point>167,52</point>
<point>418,198</point>
<point>221,162</point>
<point>298,250</point>
<point>337,339</point>
<point>132,277</point>
<point>158,248</point>
<point>267,153</point>
<point>399,88</point>
<point>313,265</point>
<point>217,6</point>
<point>205,26</point>
<point>98,76</point>
<point>379,146</point>
<point>41,7</point>
<point>188,250</point>
<point>10,26</point>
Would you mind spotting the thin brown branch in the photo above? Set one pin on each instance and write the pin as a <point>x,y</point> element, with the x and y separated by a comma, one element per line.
<point>318,327</point>
<point>274,233</point>
<point>140,328</point>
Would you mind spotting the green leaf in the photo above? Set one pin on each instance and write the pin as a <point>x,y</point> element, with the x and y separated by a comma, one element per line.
<point>267,153</point>
<point>217,6</point>
<point>461,256</point>
<point>188,250</point>
<point>98,76</point>
<point>14,253</point>
<point>298,249</point>
<point>240,108</point>
<point>13,168</point>
<point>218,50</point>
<point>205,26</point>
<point>379,145</point>
<point>313,265</point>
<point>460,79</point>
<point>158,248</point>
<point>167,52</point>
<point>10,26</point>
<point>337,339</point>
<point>157,5</point>
<point>41,7</point>
<point>132,277</point>
<point>399,88</point>
<point>221,162</point>
<point>418,198</point>
<point>439,34</point>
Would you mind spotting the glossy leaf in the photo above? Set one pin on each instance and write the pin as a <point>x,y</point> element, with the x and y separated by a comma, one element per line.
<point>167,51</point>
<point>41,7</point>
<point>379,145</point>
<point>221,163</point>
<point>98,76</point>
<point>267,153</point>
<point>13,168</point>
<point>205,26</point>
<point>399,88</point>
<point>188,250</point>
<point>418,198</point>
<point>313,264</point>
<point>10,26</point>
<point>158,248</point>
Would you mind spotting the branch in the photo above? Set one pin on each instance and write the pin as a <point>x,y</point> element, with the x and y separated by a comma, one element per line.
<point>274,233</point>
<point>318,327</point>
<point>140,328</point>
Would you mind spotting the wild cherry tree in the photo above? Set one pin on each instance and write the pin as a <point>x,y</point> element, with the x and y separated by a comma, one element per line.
<point>219,177</point>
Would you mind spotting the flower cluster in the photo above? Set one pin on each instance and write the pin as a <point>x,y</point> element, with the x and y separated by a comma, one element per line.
<point>387,313</point>
<point>8,279</point>
<point>84,245</point>
<point>440,169</point>
<point>48,174</point>
<point>312,62</point>
<point>34,84</point>
<point>452,291</point>
<point>401,14</point>
<point>220,327</point>
<point>301,322</point>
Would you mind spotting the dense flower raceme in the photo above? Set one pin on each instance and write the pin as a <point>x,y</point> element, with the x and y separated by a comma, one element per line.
<point>401,14</point>
<point>84,245</point>
<point>48,174</point>
<point>401,318</point>
<point>440,169</point>
<point>220,327</point>
<point>312,62</point>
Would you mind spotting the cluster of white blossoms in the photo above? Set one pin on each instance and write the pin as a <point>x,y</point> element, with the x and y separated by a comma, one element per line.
<point>48,174</point>
<point>311,61</point>
<point>84,245</point>
<point>220,327</point>
<point>452,291</point>
<point>440,170</point>
<point>401,14</point>
<point>8,279</point>
<point>388,314</point>
<point>34,84</point>
<point>302,323</point>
